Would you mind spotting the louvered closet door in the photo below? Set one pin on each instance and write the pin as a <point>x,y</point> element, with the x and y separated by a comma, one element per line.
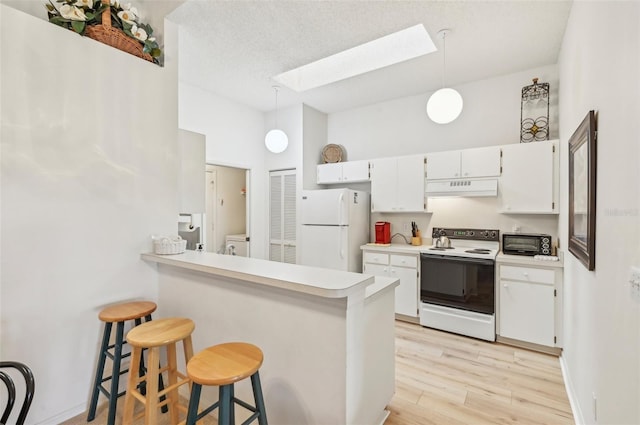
<point>282,216</point>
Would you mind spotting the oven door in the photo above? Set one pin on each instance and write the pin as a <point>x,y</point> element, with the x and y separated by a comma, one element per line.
<point>458,282</point>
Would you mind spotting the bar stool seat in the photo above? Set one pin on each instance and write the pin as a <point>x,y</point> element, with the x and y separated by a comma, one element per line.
<point>153,336</point>
<point>118,314</point>
<point>223,365</point>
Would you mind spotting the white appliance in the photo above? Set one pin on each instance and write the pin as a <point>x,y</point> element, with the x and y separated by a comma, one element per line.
<point>237,245</point>
<point>467,188</point>
<point>334,224</point>
<point>457,282</point>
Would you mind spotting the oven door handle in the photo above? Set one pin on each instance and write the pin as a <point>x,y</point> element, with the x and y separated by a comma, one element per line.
<point>468,260</point>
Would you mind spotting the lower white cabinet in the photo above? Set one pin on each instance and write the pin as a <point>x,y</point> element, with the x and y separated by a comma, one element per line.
<point>401,266</point>
<point>529,307</point>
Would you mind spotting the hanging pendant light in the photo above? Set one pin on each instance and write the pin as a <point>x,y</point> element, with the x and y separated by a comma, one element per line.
<point>445,105</point>
<point>276,140</point>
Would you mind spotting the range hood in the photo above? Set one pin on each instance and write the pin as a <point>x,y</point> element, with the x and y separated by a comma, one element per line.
<point>460,187</point>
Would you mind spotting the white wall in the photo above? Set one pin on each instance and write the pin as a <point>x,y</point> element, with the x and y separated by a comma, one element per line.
<point>235,138</point>
<point>599,68</point>
<point>315,138</point>
<point>89,172</point>
<point>491,116</point>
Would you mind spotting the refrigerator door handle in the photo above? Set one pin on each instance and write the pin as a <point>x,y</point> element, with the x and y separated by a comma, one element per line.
<point>342,230</point>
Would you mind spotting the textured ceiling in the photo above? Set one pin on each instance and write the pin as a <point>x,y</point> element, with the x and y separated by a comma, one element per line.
<point>234,48</point>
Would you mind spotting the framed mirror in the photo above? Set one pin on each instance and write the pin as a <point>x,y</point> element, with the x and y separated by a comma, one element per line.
<point>582,192</point>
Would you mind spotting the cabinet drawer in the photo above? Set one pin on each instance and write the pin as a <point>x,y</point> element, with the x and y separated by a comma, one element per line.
<point>527,274</point>
<point>404,260</point>
<point>376,258</point>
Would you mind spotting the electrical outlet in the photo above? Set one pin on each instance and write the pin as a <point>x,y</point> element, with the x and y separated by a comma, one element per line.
<point>406,227</point>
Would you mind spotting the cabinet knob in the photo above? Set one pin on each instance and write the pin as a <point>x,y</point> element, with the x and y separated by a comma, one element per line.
<point>526,274</point>
<point>505,285</point>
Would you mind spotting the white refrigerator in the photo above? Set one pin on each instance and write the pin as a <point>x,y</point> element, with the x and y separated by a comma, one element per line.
<point>334,224</point>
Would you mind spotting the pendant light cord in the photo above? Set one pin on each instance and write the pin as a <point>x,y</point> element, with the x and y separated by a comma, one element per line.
<point>276,89</point>
<point>444,56</point>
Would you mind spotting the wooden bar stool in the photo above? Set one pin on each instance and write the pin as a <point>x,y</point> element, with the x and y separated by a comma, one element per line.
<point>153,336</point>
<point>223,365</point>
<point>118,314</point>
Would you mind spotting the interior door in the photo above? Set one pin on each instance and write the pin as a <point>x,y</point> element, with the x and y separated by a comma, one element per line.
<point>211,194</point>
<point>282,216</point>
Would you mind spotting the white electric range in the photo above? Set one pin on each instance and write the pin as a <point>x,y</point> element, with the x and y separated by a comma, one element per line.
<point>457,283</point>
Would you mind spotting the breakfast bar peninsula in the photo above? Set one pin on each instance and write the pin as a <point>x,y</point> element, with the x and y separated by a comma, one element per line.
<point>327,335</point>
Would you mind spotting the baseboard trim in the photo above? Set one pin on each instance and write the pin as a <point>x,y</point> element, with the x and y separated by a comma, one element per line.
<point>63,416</point>
<point>555,351</point>
<point>568,386</point>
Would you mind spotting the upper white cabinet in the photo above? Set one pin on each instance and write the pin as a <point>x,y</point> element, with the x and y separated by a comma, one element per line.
<point>529,180</point>
<point>343,172</point>
<point>398,184</point>
<point>467,163</point>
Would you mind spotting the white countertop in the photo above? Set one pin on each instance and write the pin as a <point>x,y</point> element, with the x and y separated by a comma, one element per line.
<point>525,260</point>
<point>309,280</point>
<point>397,247</point>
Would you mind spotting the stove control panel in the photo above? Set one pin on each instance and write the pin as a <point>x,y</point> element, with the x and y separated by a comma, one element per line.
<point>470,234</point>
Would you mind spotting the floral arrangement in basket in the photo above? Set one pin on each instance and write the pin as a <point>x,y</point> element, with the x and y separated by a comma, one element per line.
<point>108,22</point>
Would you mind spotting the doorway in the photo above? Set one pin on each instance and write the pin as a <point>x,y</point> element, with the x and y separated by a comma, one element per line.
<point>227,210</point>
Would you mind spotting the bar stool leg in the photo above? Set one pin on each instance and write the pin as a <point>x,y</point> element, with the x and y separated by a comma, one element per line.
<point>115,378</point>
<point>129,399</point>
<point>151,406</point>
<point>224,415</point>
<point>257,395</point>
<point>173,380</point>
<point>141,367</point>
<point>194,401</point>
<point>100,371</point>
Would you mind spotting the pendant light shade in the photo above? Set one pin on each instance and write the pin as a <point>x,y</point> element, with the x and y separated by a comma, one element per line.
<point>276,140</point>
<point>445,105</point>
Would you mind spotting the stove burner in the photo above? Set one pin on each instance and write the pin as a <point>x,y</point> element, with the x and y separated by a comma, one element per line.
<point>441,248</point>
<point>478,251</point>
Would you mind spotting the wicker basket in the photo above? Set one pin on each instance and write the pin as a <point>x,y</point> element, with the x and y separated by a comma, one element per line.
<point>115,37</point>
<point>169,245</point>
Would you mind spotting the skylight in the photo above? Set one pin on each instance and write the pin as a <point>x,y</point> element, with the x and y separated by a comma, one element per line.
<point>388,50</point>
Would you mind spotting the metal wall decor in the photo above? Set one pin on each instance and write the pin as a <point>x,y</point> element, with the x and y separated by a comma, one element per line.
<point>534,112</point>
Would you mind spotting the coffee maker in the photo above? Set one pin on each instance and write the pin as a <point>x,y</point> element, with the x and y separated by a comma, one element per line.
<point>383,232</point>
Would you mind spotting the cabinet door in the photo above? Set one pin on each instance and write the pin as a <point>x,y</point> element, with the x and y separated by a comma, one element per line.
<point>480,162</point>
<point>527,312</point>
<point>384,181</point>
<point>410,185</point>
<point>407,291</point>
<point>355,171</point>
<point>329,173</point>
<point>375,269</point>
<point>527,183</point>
<point>443,165</point>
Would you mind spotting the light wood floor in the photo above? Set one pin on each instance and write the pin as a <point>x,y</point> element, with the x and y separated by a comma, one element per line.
<point>443,378</point>
<point>448,379</point>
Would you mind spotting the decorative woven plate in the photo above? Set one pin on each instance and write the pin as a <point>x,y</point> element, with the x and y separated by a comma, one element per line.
<point>332,153</point>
